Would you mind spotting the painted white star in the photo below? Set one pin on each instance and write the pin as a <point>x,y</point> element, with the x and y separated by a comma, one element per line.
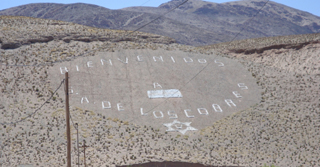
<point>178,125</point>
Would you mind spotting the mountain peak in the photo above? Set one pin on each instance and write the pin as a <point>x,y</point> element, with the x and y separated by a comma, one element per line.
<point>196,22</point>
<point>190,4</point>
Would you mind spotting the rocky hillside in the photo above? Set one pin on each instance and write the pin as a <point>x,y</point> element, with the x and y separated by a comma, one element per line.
<point>96,16</point>
<point>284,123</point>
<point>296,53</point>
<point>195,23</point>
<point>282,129</point>
<point>18,31</point>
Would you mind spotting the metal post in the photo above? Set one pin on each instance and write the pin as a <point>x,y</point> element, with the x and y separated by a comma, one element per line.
<point>68,120</point>
<point>78,145</point>
<point>1,152</point>
<point>84,146</point>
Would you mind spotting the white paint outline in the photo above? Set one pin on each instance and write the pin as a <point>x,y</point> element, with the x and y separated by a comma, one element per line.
<point>84,98</point>
<point>90,64</point>
<point>205,61</point>
<point>156,84</point>
<point>173,59</point>
<point>103,60</point>
<point>71,90</point>
<point>104,107</point>
<point>220,63</point>
<point>199,110</point>
<point>237,94</point>
<point>185,59</point>
<point>242,86</point>
<point>215,107</point>
<point>139,58</point>
<point>186,112</point>
<point>154,114</point>
<point>126,62</point>
<point>141,111</point>
<point>120,107</point>
<point>172,115</point>
<point>229,102</point>
<point>160,58</point>
<point>65,69</point>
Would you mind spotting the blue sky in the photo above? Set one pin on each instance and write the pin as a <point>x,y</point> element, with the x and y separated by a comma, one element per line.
<point>311,6</point>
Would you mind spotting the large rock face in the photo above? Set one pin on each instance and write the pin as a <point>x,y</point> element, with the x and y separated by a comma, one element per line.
<point>195,23</point>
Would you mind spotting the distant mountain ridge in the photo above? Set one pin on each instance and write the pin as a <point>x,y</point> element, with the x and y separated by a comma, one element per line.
<point>195,23</point>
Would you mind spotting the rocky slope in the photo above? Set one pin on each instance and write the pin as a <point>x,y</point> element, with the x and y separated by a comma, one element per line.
<point>18,31</point>
<point>195,23</point>
<point>285,121</point>
<point>96,16</point>
<point>282,129</point>
<point>284,52</point>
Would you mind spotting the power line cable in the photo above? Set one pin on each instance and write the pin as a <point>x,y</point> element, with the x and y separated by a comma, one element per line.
<point>121,51</point>
<point>139,5</point>
<point>249,20</point>
<point>206,65</point>
<point>30,115</point>
<point>159,16</point>
<point>162,16</point>
<point>246,25</point>
<point>230,41</point>
<point>145,2</point>
<point>76,127</point>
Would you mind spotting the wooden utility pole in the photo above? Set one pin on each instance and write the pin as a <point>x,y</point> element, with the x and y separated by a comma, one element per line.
<point>84,146</point>
<point>68,120</point>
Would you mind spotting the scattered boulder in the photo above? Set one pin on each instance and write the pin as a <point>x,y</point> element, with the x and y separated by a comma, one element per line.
<point>10,45</point>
